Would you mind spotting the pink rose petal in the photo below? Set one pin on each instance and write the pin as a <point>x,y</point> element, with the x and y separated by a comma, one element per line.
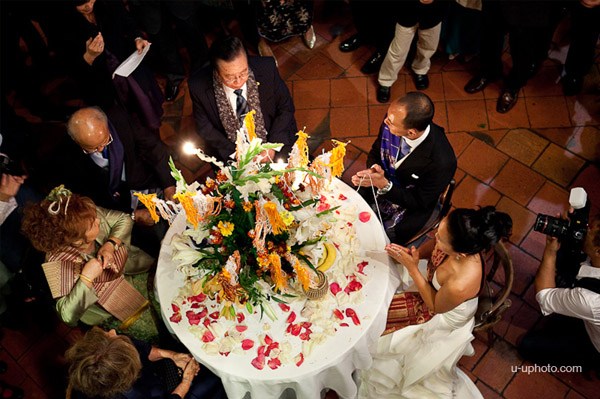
<point>259,362</point>
<point>274,363</point>
<point>241,328</point>
<point>335,288</point>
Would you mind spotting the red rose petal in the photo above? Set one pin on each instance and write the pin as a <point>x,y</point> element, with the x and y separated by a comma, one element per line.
<point>208,336</point>
<point>247,344</point>
<point>284,307</point>
<point>299,359</point>
<point>241,328</point>
<point>274,363</point>
<point>361,266</point>
<point>335,288</point>
<point>258,362</point>
<point>342,197</point>
<point>364,217</point>
<point>338,313</point>
<point>176,318</point>
<point>291,317</point>
<point>352,314</point>
<point>197,298</point>
<point>175,308</point>
<point>214,315</point>
<point>240,317</point>
<point>344,325</point>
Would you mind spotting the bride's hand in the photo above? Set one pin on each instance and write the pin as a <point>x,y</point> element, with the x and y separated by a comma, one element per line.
<point>409,257</point>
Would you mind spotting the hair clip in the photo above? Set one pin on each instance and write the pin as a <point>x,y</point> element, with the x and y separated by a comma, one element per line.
<point>56,196</point>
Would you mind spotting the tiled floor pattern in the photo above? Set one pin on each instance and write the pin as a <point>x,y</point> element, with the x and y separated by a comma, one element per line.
<point>523,162</point>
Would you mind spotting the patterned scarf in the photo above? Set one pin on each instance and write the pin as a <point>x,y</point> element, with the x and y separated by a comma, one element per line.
<point>227,114</point>
<point>390,148</point>
<point>115,294</point>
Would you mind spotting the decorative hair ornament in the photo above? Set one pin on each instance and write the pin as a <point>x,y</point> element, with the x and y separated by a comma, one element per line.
<point>57,196</point>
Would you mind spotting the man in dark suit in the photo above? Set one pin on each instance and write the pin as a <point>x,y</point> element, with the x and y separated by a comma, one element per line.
<point>111,155</point>
<point>230,87</point>
<point>413,162</point>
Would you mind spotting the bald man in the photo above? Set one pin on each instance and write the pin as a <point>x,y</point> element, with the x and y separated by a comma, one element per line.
<point>411,163</point>
<point>111,156</point>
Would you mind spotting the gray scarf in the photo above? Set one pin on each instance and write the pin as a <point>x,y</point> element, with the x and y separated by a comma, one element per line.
<point>227,114</point>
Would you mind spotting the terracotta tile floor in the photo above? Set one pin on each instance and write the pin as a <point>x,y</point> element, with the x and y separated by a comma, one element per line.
<point>523,162</point>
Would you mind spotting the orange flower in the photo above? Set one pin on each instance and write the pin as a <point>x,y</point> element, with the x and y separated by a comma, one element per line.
<point>275,218</point>
<point>191,213</point>
<point>302,145</point>
<point>302,275</point>
<point>249,123</point>
<point>277,275</point>
<point>148,201</point>
<point>247,206</point>
<point>336,161</point>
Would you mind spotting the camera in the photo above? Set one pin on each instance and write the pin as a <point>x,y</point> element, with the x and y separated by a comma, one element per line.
<point>572,230</point>
<point>9,166</point>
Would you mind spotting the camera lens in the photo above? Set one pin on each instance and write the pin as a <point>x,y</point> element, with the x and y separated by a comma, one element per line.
<point>551,226</point>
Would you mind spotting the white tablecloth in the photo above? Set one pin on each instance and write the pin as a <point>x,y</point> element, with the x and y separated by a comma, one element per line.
<point>329,365</point>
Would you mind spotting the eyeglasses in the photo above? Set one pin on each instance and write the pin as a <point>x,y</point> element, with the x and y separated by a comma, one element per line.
<point>233,78</point>
<point>100,147</point>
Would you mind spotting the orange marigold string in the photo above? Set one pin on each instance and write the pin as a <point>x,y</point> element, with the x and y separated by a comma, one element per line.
<point>301,142</point>
<point>191,213</point>
<point>336,161</point>
<point>275,218</point>
<point>148,201</point>
<point>277,274</point>
<point>249,123</point>
<point>302,275</point>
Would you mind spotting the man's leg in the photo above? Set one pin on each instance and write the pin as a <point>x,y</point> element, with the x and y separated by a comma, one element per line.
<point>396,55</point>
<point>427,44</point>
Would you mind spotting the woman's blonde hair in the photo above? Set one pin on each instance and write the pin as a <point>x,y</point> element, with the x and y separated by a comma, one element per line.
<point>103,366</point>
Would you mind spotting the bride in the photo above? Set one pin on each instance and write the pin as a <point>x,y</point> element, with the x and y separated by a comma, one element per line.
<point>419,360</point>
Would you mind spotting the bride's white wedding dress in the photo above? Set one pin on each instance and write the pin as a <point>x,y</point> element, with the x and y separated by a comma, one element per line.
<point>419,361</point>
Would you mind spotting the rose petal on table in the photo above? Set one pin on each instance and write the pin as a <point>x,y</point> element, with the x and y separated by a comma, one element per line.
<point>175,308</point>
<point>352,314</point>
<point>364,217</point>
<point>344,325</point>
<point>361,266</point>
<point>284,307</point>
<point>299,359</point>
<point>175,318</point>
<point>261,350</point>
<point>338,314</point>
<point>258,362</point>
<point>197,298</point>
<point>241,328</point>
<point>353,286</point>
<point>240,317</point>
<point>274,363</point>
<point>247,344</point>
<point>268,340</point>
<point>211,348</point>
<point>291,317</point>
<point>335,288</point>
<point>342,197</point>
<point>214,315</point>
<point>208,336</point>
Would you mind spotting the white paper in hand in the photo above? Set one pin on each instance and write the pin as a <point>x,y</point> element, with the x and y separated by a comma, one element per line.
<point>131,63</point>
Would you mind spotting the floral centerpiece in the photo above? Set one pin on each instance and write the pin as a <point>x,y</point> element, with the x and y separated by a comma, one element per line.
<point>258,231</point>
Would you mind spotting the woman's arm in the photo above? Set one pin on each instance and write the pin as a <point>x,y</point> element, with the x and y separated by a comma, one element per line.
<point>72,306</point>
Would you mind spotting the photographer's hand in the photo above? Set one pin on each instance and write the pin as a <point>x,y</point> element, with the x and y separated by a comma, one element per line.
<point>9,186</point>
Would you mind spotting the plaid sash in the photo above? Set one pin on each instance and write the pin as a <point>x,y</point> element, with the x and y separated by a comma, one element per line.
<point>115,294</point>
<point>408,308</point>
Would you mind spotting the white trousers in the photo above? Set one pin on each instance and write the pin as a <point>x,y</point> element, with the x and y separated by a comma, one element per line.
<point>427,44</point>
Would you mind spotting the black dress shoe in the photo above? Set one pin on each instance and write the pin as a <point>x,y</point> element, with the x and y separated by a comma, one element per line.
<point>572,85</point>
<point>373,64</point>
<point>421,81</point>
<point>171,91</point>
<point>350,44</point>
<point>476,84</point>
<point>507,101</point>
<point>383,93</point>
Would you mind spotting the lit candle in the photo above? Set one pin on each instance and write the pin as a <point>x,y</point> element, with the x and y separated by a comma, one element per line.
<point>189,148</point>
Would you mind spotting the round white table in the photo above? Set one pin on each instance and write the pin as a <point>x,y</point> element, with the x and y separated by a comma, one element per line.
<point>329,365</point>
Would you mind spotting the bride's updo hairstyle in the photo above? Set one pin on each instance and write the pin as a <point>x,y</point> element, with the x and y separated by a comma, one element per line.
<point>475,230</point>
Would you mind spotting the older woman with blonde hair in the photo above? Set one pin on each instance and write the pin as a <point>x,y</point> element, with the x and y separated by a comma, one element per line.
<point>93,272</point>
<point>111,366</point>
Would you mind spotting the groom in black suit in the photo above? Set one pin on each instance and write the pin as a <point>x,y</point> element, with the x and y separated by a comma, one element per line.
<point>234,84</point>
<point>412,163</point>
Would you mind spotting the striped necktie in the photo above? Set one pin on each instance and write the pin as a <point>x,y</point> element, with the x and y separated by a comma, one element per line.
<point>241,105</point>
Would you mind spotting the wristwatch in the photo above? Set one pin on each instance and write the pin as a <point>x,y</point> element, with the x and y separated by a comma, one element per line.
<point>386,189</point>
